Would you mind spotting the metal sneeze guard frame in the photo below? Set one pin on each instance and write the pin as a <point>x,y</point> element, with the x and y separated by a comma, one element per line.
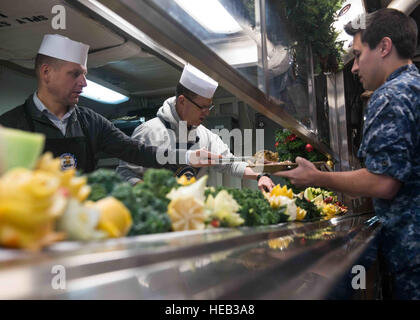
<point>175,41</point>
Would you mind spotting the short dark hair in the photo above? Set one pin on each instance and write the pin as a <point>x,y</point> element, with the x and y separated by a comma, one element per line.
<point>400,28</point>
<point>181,90</point>
<point>41,59</point>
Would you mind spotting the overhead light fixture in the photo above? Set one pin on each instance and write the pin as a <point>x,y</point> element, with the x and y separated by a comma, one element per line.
<point>130,29</point>
<point>211,15</point>
<point>102,94</point>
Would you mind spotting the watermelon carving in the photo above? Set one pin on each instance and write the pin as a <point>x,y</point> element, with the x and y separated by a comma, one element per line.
<point>19,148</point>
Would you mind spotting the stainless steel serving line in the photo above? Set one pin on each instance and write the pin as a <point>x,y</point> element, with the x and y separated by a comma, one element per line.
<point>286,261</point>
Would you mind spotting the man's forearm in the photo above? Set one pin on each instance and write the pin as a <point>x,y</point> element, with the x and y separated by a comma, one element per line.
<point>250,174</point>
<point>359,183</point>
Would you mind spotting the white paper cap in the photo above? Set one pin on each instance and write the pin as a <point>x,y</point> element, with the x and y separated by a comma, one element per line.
<point>198,82</point>
<point>57,46</point>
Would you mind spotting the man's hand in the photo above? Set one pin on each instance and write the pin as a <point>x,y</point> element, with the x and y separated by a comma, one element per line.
<point>202,158</point>
<point>303,176</point>
<point>265,184</point>
<point>356,183</point>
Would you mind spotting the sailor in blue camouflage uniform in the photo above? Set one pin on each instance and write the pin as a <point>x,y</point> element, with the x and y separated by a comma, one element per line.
<point>383,48</point>
<point>391,146</point>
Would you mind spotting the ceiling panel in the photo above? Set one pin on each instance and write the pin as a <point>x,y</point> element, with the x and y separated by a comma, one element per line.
<point>112,58</point>
<point>140,76</point>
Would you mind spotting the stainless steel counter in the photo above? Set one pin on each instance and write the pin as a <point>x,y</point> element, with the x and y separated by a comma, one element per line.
<point>286,261</point>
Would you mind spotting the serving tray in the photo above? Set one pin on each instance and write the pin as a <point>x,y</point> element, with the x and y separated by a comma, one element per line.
<point>280,166</point>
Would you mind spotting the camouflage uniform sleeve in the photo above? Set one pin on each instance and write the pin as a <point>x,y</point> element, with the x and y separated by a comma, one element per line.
<point>389,142</point>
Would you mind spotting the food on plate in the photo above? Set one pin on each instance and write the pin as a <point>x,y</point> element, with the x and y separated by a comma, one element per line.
<point>264,156</point>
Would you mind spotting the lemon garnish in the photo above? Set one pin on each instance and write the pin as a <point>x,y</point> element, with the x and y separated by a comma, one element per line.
<point>184,181</point>
<point>278,191</point>
<point>300,214</point>
<point>187,213</point>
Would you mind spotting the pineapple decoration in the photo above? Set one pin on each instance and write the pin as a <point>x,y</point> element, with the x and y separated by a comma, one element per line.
<point>281,196</point>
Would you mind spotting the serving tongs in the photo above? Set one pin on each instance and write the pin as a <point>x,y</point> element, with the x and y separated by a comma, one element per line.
<point>250,159</point>
<point>236,159</point>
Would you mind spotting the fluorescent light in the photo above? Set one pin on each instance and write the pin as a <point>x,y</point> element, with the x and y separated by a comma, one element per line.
<point>241,53</point>
<point>102,94</point>
<point>127,27</point>
<point>211,15</point>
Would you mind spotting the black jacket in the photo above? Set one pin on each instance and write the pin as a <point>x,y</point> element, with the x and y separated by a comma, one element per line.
<point>103,135</point>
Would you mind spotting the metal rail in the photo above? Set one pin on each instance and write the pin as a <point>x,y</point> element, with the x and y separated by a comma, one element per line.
<point>122,263</point>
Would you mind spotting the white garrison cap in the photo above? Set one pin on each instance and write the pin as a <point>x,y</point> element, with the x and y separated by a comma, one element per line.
<point>57,46</point>
<point>198,82</point>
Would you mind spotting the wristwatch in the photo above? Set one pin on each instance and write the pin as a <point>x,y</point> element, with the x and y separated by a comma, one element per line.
<point>263,175</point>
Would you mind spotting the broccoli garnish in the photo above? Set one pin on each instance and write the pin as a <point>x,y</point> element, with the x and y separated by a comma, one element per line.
<point>124,192</point>
<point>312,212</point>
<point>149,220</point>
<point>146,201</point>
<point>255,209</point>
<point>152,204</point>
<point>97,192</point>
<point>159,182</point>
<point>148,204</point>
<point>105,177</point>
